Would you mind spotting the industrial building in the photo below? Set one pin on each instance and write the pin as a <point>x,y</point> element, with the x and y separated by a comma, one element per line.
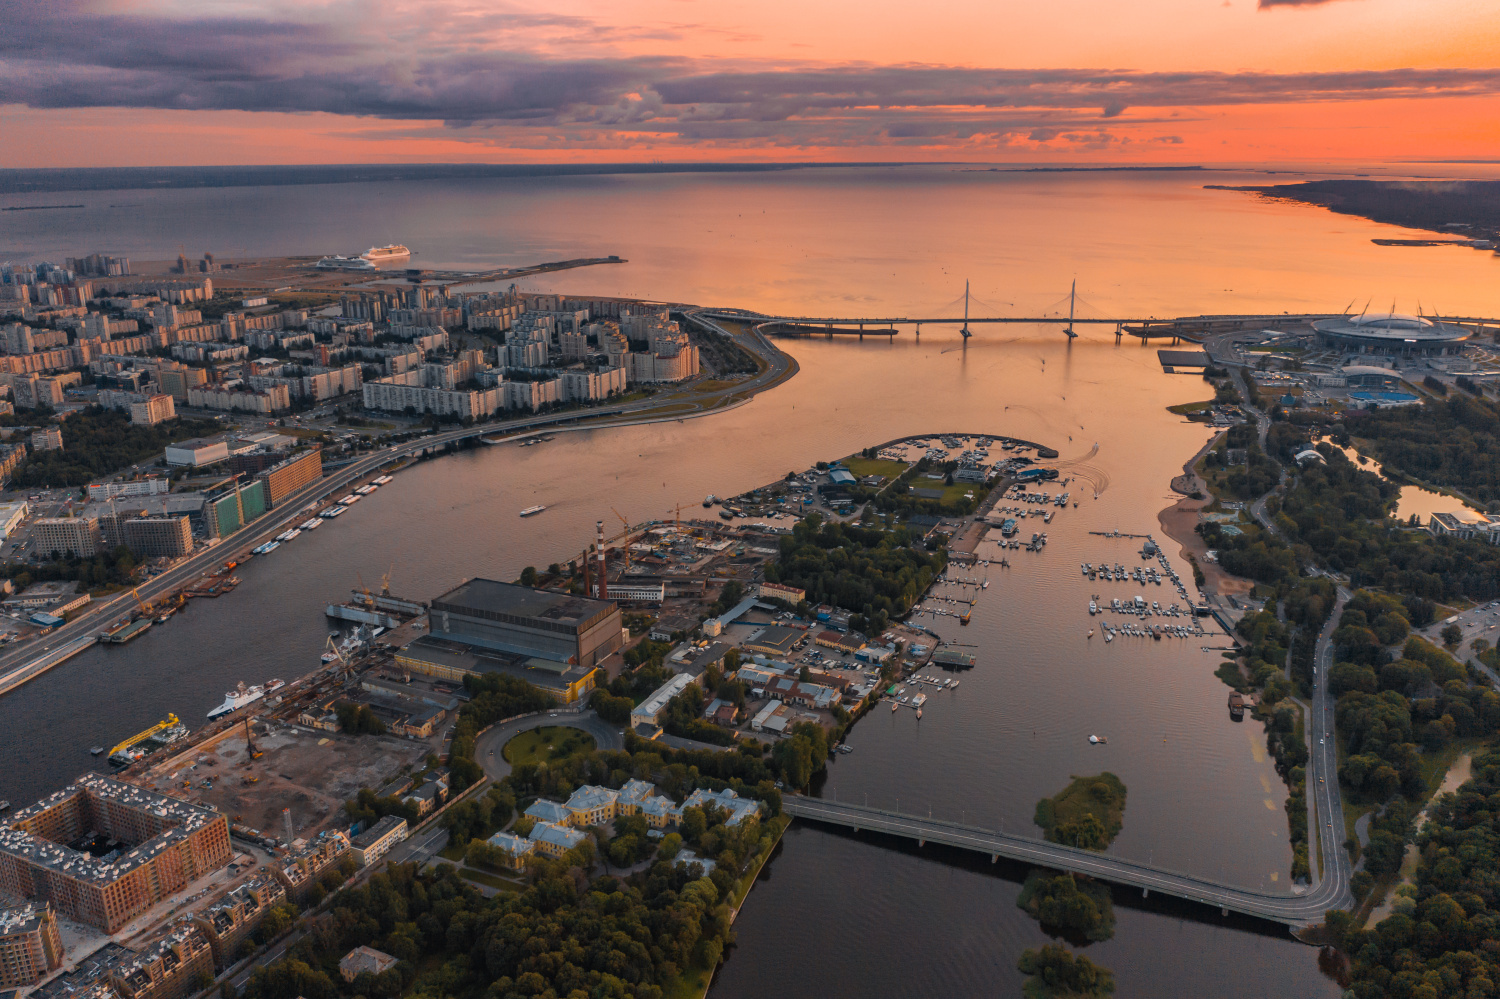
<point>529,622</point>
<point>102,851</point>
<point>1390,333</point>
<point>197,452</point>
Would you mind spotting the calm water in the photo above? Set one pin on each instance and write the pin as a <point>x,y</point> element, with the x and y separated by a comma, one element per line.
<point>1203,797</point>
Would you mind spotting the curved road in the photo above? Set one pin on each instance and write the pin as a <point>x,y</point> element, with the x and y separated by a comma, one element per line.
<point>487,748</point>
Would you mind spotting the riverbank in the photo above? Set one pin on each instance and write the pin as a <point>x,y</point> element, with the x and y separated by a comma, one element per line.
<point>1180,523</point>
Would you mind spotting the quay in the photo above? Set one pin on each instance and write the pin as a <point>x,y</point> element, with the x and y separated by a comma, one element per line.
<point>1292,910</point>
<point>36,667</point>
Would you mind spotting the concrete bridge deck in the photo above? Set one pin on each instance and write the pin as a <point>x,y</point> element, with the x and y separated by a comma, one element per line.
<point>1293,910</point>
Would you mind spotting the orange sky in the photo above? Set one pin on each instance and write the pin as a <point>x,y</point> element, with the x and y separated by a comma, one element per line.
<point>121,82</point>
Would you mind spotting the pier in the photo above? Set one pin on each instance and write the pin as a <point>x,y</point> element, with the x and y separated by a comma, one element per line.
<point>1292,910</point>
<point>34,668</point>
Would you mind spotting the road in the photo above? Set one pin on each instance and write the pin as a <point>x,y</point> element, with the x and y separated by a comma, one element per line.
<point>1294,910</point>
<point>487,748</point>
<point>292,508</point>
<point>1326,812</point>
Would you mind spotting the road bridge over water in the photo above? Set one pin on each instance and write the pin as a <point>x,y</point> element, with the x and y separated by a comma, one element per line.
<point>1293,910</point>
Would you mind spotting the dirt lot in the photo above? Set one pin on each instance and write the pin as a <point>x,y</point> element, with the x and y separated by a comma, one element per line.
<point>312,774</point>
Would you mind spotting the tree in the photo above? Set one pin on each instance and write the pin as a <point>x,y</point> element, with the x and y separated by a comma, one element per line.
<point>1058,972</point>
<point>1452,635</point>
<point>528,576</point>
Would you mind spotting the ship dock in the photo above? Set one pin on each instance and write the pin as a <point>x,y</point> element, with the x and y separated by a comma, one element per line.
<point>36,667</point>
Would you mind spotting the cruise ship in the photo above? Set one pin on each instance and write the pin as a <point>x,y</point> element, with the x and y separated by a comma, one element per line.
<point>337,263</point>
<point>393,251</point>
<point>242,695</point>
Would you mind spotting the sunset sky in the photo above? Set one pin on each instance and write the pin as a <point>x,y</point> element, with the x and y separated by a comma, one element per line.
<point>135,82</point>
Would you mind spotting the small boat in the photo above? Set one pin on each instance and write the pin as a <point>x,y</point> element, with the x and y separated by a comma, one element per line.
<point>1108,637</point>
<point>894,706</point>
<point>919,714</point>
<point>97,751</point>
<point>1091,632</point>
<point>328,657</point>
<point>4,805</point>
<point>1097,740</point>
<point>532,511</point>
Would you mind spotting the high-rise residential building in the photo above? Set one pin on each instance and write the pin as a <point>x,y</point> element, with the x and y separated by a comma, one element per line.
<point>159,537</point>
<point>47,438</point>
<point>168,843</point>
<point>60,535</point>
<point>30,945</point>
<point>152,410</point>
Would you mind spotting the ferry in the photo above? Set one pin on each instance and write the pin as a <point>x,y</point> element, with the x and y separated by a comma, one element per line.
<point>391,252</point>
<point>310,525</point>
<point>267,548</point>
<point>532,511</point>
<point>383,480</point>
<point>351,499</point>
<point>331,512</point>
<point>286,536</point>
<point>366,490</point>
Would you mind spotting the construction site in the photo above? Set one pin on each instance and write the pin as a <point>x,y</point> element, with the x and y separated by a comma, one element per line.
<point>283,774</point>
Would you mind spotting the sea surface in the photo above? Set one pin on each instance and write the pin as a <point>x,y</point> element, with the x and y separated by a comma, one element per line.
<point>841,914</point>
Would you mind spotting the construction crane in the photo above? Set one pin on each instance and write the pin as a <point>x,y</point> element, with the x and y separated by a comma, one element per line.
<point>385,581</point>
<point>625,522</point>
<point>255,754</point>
<point>161,726</point>
<point>145,607</point>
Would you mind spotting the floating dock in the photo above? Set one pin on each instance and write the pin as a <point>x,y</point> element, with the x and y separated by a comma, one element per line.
<point>125,632</point>
<point>36,667</point>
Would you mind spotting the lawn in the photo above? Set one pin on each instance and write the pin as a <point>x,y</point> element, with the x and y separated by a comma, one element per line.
<point>547,744</point>
<point>1184,408</point>
<point>874,466</point>
<point>485,878</point>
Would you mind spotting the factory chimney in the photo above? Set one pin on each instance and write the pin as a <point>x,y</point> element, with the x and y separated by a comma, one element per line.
<point>603,589</point>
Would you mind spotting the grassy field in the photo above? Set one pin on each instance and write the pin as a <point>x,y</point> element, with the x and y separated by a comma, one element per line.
<point>547,744</point>
<point>485,878</point>
<point>1184,408</point>
<point>874,466</point>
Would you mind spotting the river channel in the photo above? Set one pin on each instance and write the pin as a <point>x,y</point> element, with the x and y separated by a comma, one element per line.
<point>836,915</point>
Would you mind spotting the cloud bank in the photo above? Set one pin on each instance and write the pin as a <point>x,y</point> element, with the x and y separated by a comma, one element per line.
<point>67,56</point>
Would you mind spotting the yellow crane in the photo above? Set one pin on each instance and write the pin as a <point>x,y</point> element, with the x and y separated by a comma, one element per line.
<point>385,581</point>
<point>160,726</point>
<point>145,607</point>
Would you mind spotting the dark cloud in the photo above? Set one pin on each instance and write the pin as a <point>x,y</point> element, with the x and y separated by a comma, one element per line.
<point>59,54</point>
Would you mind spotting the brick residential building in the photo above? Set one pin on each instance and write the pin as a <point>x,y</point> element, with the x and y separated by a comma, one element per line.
<point>170,843</point>
<point>30,946</point>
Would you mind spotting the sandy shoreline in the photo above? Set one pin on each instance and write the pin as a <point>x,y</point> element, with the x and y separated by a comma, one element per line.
<point>1180,521</point>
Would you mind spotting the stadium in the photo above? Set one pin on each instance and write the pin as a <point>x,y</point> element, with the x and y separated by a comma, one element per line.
<point>1391,333</point>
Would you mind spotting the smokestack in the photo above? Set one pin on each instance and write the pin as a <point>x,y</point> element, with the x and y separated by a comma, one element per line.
<point>603,588</point>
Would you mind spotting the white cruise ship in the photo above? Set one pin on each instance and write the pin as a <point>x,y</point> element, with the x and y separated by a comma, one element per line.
<point>337,263</point>
<point>395,251</point>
